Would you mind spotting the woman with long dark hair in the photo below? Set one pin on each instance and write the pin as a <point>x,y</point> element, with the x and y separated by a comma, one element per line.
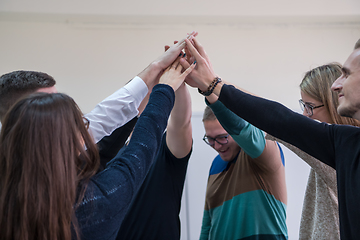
<point>48,186</point>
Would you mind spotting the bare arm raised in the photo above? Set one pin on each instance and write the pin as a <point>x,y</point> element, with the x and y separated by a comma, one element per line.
<point>124,104</point>
<point>179,130</point>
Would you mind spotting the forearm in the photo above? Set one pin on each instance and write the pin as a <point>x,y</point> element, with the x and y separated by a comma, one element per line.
<point>179,129</point>
<point>117,109</point>
<point>181,113</point>
<point>248,137</point>
<point>111,191</point>
<point>279,121</point>
<point>150,75</point>
<point>146,138</point>
<point>109,146</point>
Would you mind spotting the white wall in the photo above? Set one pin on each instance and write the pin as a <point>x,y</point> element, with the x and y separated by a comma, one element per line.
<point>186,7</point>
<point>98,55</point>
<point>93,49</point>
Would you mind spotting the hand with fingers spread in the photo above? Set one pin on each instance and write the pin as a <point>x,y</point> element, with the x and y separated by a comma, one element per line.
<point>174,75</point>
<point>151,74</point>
<point>188,55</point>
<point>203,75</point>
<point>172,52</point>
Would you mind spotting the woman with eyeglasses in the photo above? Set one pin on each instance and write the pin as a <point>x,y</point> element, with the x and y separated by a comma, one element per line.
<point>48,186</point>
<point>320,215</point>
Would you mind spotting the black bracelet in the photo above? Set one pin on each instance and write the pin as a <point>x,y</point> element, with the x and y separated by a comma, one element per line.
<point>211,87</point>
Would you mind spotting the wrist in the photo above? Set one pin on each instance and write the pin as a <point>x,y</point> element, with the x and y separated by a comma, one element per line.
<point>150,74</point>
<point>211,87</point>
<point>212,98</point>
<point>218,87</point>
<point>206,84</point>
<point>155,66</point>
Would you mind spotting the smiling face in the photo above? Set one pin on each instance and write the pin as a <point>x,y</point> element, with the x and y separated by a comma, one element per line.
<point>227,151</point>
<point>348,87</point>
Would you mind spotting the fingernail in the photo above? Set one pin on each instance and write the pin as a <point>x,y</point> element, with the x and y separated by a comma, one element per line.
<point>184,54</point>
<point>180,54</point>
<point>194,62</point>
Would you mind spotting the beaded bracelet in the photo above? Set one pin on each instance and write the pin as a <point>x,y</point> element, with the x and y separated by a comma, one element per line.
<point>211,87</point>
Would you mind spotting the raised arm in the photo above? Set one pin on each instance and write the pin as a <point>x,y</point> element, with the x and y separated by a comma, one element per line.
<point>123,105</point>
<point>110,145</point>
<point>251,139</point>
<point>248,137</point>
<point>179,130</point>
<point>122,178</point>
<point>274,118</point>
<point>279,121</point>
<point>117,109</point>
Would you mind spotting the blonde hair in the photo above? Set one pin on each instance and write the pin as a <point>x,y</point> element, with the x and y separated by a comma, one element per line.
<point>317,84</point>
<point>208,114</point>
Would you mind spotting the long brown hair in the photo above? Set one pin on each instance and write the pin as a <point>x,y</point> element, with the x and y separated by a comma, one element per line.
<point>43,164</point>
<point>317,84</point>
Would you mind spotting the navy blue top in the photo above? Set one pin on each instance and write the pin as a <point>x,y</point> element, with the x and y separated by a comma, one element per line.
<point>154,213</point>
<point>335,145</point>
<point>110,192</point>
<point>110,145</point>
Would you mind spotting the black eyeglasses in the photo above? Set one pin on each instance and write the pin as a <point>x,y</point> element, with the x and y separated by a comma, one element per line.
<point>86,122</point>
<point>309,108</point>
<point>220,140</point>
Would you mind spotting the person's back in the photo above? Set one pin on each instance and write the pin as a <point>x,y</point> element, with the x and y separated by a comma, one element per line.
<point>53,172</point>
<point>43,157</point>
<point>154,212</point>
<point>41,152</point>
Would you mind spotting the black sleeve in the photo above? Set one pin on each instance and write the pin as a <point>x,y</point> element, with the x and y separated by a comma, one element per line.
<point>310,136</point>
<point>109,146</point>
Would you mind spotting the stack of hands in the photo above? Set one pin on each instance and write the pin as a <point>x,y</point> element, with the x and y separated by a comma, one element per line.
<point>187,61</point>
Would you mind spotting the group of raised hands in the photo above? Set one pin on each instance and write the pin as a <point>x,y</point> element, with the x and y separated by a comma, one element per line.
<point>187,61</point>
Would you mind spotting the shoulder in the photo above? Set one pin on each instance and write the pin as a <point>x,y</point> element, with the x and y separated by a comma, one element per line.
<point>218,165</point>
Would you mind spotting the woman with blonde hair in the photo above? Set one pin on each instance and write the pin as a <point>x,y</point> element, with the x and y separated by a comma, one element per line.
<point>320,214</point>
<point>48,186</point>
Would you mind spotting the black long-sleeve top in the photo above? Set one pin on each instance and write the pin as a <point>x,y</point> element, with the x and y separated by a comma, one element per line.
<point>335,145</point>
